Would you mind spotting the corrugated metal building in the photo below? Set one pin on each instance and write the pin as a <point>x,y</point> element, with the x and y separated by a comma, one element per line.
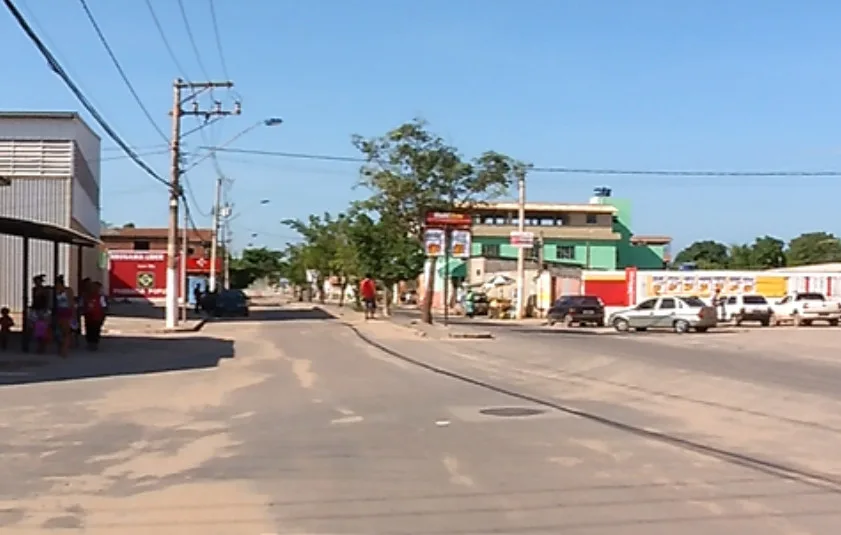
<point>52,162</point>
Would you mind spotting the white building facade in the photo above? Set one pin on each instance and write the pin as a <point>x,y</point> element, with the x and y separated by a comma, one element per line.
<point>51,161</point>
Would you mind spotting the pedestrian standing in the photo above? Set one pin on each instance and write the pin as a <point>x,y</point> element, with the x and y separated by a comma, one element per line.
<point>368,293</point>
<point>95,313</point>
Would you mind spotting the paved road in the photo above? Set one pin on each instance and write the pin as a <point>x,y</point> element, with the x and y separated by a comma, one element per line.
<point>308,430</point>
<point>772,393</point>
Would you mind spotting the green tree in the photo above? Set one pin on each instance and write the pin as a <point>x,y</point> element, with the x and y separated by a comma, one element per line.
<point>813,248</point>
<point>255,264</point>
<point>741,257</point>
<point>385,250</point>
<point>411,171</point>
<point>705,254</point>
<point>768,253</point>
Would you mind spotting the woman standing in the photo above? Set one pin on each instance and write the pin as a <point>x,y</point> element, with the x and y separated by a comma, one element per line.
<point>65,311</point>
<point>95,307</point>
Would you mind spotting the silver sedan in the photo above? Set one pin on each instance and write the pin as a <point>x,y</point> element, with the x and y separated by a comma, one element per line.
<point>680,314</point>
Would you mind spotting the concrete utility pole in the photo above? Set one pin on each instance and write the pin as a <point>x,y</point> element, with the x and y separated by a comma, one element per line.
<point>214,237</point>
<point>184,250</point>
<point>521,252</point>
<point>178,112</point>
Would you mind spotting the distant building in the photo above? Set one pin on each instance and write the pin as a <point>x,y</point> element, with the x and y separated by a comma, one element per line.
<point>596,235</point>
<point>49,164</point>
<point>155,239</point>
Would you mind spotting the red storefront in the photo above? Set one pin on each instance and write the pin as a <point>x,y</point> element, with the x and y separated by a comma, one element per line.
<point>136,274</point>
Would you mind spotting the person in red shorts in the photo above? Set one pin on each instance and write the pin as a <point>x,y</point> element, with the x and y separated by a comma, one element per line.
<point>368,293</point>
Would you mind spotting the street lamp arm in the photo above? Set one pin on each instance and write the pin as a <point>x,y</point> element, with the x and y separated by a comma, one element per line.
<point>273,121</point>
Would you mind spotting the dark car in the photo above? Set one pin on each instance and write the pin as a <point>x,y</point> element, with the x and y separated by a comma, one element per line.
<point>480,304</point>
<point>227,303</point>
<point>580,309</point>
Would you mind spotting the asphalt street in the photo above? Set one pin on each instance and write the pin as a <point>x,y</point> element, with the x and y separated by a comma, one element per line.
<point>308,429</point>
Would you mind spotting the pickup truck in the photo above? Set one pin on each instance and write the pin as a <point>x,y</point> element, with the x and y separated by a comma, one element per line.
<point>806,307</point>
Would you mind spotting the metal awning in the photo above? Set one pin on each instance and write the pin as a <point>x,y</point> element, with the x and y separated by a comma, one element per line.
<point>45,231</point>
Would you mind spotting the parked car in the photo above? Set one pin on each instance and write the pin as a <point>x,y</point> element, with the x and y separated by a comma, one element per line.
<point>803,308</point>
<point>227,303</point>
<point>580,309</point>
<point>481,303</point>
<point>680,314</point>
<point>751,307</point>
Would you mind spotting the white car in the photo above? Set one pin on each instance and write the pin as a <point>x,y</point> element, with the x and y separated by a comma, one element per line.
<point>803,308</point>
<point>751,307</point>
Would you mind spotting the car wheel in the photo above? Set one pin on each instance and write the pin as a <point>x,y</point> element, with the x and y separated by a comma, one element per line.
<point>621,325</point>
<point>681,326</point>
<point>765,323</point>
<point>833,323</point>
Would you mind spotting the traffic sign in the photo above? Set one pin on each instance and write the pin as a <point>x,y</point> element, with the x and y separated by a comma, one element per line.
<point>521,239</point>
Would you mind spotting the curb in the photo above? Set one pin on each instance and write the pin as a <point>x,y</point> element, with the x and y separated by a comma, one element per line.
<point>199,325</point>
<point>471,336</point>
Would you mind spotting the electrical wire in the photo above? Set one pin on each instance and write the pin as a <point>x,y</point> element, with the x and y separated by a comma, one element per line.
<point>550,169</point>
<point>218,36</point>
<point>162,34</point>
<point>192,38</point>
<point>59,70</point>
<point>120,69</point>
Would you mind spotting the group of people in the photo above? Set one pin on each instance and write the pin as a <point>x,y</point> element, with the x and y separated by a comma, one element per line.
<point>57,315</point>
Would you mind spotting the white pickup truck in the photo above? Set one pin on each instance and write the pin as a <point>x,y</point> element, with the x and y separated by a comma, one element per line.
<point>805,308</point>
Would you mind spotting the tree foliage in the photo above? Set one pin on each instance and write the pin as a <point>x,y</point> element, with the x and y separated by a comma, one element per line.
<point>766,252</point>
<point>256,264</point>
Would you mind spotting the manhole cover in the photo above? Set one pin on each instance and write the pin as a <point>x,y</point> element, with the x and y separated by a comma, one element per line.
<point>511,412</point>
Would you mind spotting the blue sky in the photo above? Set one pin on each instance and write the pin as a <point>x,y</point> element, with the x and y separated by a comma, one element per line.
<point>648,84</point>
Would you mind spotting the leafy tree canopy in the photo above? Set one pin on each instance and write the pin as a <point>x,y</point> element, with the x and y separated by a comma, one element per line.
<point>766,252</point>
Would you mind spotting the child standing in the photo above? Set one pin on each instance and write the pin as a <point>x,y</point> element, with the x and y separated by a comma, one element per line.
<point>6,324</point>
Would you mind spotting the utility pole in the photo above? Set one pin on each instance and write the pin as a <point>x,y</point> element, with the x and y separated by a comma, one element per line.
<point>184,250</point>
<point>217,207</point>
<point>175,194</point>
<point>521,252</point>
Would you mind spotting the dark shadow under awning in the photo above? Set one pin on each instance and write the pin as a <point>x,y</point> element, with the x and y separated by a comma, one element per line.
<point>45,231</point>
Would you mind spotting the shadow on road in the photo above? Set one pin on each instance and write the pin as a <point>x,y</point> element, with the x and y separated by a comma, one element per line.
<point>279,314</point>
<point>145,311</point>
<point>118,355</point>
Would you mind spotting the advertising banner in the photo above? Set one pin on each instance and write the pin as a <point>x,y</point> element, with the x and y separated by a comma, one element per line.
<point>433,242</point>
<point>460,244</point>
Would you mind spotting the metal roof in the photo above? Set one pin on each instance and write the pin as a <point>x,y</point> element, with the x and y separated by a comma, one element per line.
<point>45,231</point>
<point>56,115</point>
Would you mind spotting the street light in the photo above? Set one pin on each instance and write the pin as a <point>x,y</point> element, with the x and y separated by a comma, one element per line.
<point>272,121</point>
<point>217,207</point>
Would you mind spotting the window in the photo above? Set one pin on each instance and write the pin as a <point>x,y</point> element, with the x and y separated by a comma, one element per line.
<point>754,300</point>
<point>190,251</point>
<point>694,302</point>
<point>810,297</point>
<point>647,305</point>
<point>732,300</point>
<point>490,250</point>
<point>141,245</point>
<point>668,303</point>
<point>561,220</point>
<point>564,252</point>
<point>592,219</point>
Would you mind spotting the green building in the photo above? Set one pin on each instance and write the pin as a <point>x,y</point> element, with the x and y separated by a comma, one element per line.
<point>597,235</point>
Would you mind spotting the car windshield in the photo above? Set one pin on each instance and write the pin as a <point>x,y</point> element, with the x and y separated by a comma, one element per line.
<point>693,302</point>
<point>754,300</point>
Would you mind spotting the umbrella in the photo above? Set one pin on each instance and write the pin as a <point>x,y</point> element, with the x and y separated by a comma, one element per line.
<point>499,280</point>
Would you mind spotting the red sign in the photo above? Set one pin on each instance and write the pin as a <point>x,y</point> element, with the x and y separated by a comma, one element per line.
<point>137,274</point>
<point>631,282</point>
<point>202,265</point>
<point>134,274</point>
<point>448,219</point>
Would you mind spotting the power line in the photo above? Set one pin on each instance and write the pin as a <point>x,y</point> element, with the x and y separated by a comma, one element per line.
<point>218,39</point>
<point>162,33</point>
<point>550,169</point>
<point>59,70</point>
<point>120,70</point>
<point>192,38</point>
